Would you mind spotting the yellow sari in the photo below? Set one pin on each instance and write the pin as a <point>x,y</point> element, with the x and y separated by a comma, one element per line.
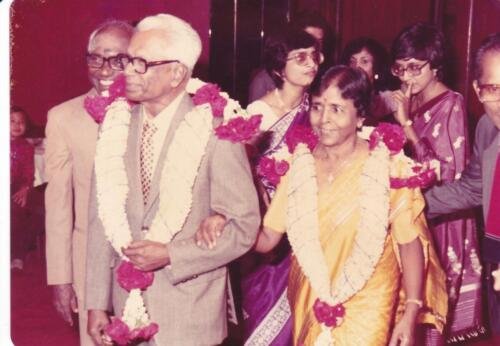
<point>369,314</point>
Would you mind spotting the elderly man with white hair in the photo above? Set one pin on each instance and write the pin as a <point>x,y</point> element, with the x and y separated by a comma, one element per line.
<point>188,296</point>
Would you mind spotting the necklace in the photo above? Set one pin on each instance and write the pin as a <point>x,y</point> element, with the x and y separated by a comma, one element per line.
<point>339,166</point>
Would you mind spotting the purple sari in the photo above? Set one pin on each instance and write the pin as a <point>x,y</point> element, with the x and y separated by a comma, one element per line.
<point>441,125</point>
<point>266,312</point>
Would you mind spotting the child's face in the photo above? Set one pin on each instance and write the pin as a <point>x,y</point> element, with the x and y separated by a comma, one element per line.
<point>17,124</point>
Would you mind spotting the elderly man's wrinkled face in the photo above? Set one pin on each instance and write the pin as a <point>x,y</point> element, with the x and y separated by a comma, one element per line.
<point>157,83</point>
<point>487,88</point>
<point>106,44</point>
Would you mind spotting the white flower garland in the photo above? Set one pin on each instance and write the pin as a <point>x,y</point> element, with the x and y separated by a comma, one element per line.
<point>177,179</point>
<point>302,214</point>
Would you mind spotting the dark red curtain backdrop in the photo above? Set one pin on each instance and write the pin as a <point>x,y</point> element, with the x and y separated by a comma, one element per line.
<point>49,38</point>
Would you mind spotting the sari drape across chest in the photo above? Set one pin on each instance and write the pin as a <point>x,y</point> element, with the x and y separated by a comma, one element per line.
<point>371,312</point>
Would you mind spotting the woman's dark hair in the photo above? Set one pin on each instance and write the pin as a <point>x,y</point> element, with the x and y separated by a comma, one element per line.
<point>353,85</point>
<point>421,41</point>
<point>279,46</point>
<point>381,65</point>
<point>489,44</point>
<point>314,19</point>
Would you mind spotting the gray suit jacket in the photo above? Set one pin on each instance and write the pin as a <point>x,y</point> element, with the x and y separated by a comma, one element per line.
<point>474,186</point>
<point>188,298</point>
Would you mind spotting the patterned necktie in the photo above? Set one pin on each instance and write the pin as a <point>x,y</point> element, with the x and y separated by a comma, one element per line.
<point>147,157</point>
<point>493,222</point>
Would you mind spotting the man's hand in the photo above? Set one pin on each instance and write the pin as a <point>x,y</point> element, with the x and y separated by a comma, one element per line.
<point>64,300</point>
<point>98,319</point>
<point>147,255</point>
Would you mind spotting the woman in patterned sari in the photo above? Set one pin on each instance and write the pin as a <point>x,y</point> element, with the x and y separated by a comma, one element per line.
<point>354,236</point>
<point>435,121</point>
<point>292,60</point>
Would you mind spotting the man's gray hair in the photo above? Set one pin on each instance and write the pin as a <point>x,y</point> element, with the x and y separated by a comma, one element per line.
<point>183,41</point>
<point>111,24</point>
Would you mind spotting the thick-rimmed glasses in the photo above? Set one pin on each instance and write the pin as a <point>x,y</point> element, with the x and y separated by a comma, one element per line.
<point>141,65</point>
<point>98,61</point>
<point>301,57</point>
<point>413,69</point>
<point>489,92</point>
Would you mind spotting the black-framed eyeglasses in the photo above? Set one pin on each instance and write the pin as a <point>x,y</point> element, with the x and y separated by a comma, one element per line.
<point>413,69</point>
<point>141,65</point>
<point>489,92</point>
<point>98,61</point>
<point>301,57</point>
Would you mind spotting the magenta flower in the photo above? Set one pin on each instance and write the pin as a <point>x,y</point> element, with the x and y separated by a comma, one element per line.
<point>144,333</point>
<point>209,93</point>
<point>129,277</point>
<point>96,105</point>
<point>421,179</point>
<point>392,135</point>
<point>331,316</point>
<point>272,170</point>
<point>118,331</point>
<point>117,89</point>
<point>239,129</point>
<point>300,134</point>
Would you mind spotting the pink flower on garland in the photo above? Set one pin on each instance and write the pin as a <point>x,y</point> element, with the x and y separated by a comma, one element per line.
<point>422,179</point>
<point>209,93</point>
<point>272,170</point>
<point>392,135</point>
<point>300,134</point>
<point>120,333</point>
<point>130,277</point>
<point>330,316</point>
<point>239,129</point>
<point>96,105</point>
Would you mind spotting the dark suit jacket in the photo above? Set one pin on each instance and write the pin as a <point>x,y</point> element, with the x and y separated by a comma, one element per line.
<point>474,186</point>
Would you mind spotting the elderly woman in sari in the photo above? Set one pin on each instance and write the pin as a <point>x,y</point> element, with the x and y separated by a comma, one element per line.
<point>362,235</point>
<point>435,121</point>
<point>363,270</point>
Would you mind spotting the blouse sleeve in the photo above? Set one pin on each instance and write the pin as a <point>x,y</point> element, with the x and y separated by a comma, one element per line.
<point>275,217</point>
<point>407,219</point>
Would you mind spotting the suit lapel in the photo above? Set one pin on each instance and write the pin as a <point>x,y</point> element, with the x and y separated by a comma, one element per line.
<point>185,106</point>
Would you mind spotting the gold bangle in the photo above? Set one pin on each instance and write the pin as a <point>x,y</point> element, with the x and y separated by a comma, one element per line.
<point>415,301</point>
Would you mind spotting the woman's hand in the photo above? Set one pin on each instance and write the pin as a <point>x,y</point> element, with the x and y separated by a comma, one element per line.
<point>210,229</point>
<point>21,196</point>
<point>404,331</point>
<point>402,100</point>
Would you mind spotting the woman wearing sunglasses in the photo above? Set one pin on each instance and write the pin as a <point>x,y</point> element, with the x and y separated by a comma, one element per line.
<point>435,122</point>
<point>291,59</point>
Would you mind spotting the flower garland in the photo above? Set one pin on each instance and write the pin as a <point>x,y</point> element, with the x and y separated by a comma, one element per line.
<point>177,179</point>
<point>302,213</point>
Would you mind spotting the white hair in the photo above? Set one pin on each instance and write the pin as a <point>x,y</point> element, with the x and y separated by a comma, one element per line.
<point>183,41</point>
<point>111,24</point>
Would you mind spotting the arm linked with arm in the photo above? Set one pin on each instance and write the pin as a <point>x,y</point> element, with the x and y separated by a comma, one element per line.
<point>232,194</point>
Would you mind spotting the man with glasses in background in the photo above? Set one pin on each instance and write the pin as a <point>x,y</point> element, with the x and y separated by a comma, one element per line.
<point>479,183</point>
<point>188,296</point>
<point>69,159</point>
